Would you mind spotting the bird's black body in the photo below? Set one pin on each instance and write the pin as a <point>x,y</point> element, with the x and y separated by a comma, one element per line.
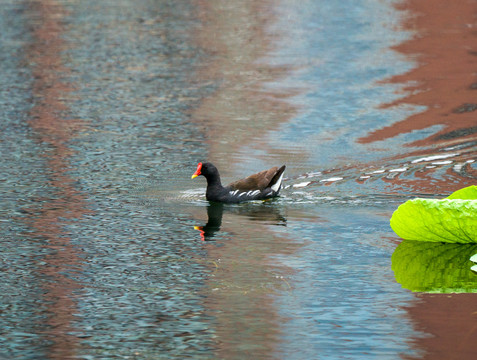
<point>260,186</point>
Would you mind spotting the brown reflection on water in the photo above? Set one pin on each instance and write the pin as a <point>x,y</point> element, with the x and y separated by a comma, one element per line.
<point>242,111</point>
<point>444,81</point>
<point>235,119</point>
<point>433,181</point>
<point>241,291</point>
<point>53,129</point>
<point>450,320</point>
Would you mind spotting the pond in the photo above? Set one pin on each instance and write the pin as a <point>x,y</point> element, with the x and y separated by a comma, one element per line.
<point>110,250</point>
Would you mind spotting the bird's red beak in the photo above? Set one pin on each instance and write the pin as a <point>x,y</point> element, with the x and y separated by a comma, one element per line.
<point>197,172</point>
<point>202,232</point>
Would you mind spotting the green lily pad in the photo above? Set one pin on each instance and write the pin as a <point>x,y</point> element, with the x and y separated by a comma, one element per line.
<point>451,220</point>
<point>468,193</point>
<point>435,267</point>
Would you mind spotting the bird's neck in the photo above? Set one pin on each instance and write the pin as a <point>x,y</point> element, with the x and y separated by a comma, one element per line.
<point>214,181</point>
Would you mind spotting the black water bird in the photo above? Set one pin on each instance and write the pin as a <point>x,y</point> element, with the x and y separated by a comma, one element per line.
<point>260,186</point>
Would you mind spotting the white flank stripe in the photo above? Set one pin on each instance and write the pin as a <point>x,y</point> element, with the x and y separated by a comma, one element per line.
<point>255,193</point>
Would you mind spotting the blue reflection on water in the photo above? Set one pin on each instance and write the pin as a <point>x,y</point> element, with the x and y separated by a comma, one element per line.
<point>143,276</point>
<point>340,53</point>
<point>348,304</point>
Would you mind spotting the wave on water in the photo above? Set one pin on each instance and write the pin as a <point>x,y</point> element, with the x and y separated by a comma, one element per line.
<point>353,185</point>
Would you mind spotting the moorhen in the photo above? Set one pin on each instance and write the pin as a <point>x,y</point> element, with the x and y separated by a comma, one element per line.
<point>263,185</point>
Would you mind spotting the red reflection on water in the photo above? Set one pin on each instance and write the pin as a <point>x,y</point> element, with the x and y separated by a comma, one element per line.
<point>428,181</point>
<point>444,82</point>
<point>451,322</point>
<point>243,110</point>
<point>54,130</point>
<point>235,33</point>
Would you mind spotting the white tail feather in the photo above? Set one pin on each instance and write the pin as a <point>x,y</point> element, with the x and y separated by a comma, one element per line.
<point>275,187</point>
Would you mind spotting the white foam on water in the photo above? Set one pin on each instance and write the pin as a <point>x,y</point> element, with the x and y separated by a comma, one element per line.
<point>398,170</point>
<point>302,184</point>
<point>332,179</point>
<point>434,157</point>
<point>444,162</point>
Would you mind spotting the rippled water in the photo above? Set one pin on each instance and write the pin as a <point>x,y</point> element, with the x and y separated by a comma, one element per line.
<point>109,249</point>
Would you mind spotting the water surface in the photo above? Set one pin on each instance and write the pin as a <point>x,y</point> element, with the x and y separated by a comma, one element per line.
<point>110,251</point>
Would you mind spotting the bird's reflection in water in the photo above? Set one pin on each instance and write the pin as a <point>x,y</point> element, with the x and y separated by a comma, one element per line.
<point>214,222</point>
<point>264,212</point>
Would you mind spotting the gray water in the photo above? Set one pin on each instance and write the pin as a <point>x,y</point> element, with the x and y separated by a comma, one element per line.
<point>106,109</point>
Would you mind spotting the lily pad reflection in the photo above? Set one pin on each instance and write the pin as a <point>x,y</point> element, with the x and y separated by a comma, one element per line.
<point>435,267</point>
